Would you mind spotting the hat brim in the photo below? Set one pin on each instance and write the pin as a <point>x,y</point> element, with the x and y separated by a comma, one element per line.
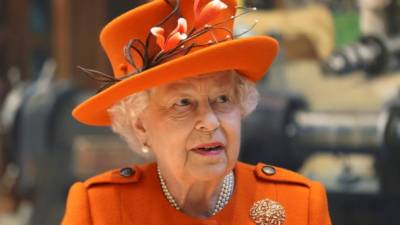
<point>251,57</point>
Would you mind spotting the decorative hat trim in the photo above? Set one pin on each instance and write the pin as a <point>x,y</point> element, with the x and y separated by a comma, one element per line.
<point>179,42</point>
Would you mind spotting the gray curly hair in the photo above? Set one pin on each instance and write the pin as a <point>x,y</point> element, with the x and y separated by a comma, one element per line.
<point>130,107</point>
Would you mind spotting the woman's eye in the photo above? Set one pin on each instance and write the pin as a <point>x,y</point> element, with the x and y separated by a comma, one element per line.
<point>222,99</point>
<point>183,102</point>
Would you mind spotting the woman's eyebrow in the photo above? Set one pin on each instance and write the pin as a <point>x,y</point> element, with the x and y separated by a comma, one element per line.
<point>174,91</point>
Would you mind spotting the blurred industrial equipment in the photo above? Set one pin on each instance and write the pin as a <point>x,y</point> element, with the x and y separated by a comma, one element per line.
<point>378,49</point>
<point>38,136</point>
<point>285,132</point>
<point>372,54</point>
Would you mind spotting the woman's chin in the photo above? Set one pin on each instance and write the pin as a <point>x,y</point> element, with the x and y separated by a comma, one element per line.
<point>209,174</point>
<point>209,170</point>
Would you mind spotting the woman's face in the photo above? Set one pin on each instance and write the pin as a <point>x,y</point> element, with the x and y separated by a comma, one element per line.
<point>193,126</point>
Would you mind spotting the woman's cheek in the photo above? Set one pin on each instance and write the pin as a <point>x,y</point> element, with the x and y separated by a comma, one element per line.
<point>232,125</point>
<point>230,114</point>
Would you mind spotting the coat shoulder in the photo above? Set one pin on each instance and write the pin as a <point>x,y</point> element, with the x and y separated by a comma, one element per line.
<point>270,173</point>
<point>124,175</point>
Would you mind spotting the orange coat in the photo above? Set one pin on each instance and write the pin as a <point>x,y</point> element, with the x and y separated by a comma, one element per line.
<point>116,198</point>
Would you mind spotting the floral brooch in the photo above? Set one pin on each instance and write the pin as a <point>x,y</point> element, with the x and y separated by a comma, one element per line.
<point>267,212</point>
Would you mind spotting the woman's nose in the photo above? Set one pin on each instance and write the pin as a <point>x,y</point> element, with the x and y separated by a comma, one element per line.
<point>207,119</point>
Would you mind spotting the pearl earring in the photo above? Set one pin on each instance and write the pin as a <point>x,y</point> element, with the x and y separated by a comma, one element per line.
<point>145,149</point>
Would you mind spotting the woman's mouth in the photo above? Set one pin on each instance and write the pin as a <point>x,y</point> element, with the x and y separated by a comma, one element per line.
<point>209,149</point>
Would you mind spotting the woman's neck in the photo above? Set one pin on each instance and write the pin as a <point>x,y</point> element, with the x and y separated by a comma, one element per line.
<point>199,199</point>
<point>195,198</point>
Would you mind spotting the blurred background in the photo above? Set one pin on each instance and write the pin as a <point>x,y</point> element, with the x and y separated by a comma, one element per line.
<point>329,108</point>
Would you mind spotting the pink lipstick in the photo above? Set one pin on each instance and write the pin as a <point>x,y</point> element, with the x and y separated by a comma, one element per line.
<point>209,149</point>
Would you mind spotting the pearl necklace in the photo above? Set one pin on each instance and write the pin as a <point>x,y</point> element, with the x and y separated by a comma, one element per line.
<point>223,197</point>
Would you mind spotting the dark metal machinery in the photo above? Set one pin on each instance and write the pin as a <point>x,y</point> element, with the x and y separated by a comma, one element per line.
<point>284,132</point>
<point>374,52</point>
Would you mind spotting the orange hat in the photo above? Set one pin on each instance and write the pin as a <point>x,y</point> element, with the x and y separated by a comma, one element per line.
<point>169,40</point>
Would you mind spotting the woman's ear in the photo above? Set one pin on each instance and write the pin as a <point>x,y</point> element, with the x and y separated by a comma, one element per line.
<point>139,129</point>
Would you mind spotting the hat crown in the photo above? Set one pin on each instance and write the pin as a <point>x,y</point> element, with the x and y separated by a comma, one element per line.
<point>135,26</point>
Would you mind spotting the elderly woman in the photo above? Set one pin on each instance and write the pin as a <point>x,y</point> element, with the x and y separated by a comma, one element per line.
<point>181,85</point>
